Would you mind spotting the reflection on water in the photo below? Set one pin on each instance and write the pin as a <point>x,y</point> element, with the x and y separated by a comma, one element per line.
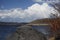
<point>5,30</point>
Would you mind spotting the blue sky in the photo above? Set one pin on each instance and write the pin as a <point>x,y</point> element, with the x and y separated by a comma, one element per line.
<point>8,4</point>
<point>24,10</point>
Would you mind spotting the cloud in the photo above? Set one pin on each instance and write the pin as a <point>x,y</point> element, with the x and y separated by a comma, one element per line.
<point>48,1</point>
<point>12,13</point>
<point>36,11</point>
<point>37,0</point>
<point>40,11</point>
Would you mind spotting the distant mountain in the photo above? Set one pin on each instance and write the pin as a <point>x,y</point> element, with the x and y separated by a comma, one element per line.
<point>9,19</point>
<point>12,23</point>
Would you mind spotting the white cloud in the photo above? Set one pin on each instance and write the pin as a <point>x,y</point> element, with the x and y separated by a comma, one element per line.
<point>40,11</point>
<point>37,0</point>
<point>12,13</point>
<point>48,1</point>
<point>36,11</point>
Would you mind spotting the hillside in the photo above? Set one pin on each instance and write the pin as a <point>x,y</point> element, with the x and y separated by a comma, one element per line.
<point>38,21</point>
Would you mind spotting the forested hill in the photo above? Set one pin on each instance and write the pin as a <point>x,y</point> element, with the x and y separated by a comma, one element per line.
<point>12,23</point>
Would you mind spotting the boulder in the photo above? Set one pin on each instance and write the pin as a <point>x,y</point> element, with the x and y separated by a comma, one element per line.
<point>26,33</point>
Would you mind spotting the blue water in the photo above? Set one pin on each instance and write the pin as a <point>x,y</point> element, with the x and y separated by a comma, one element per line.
<point>5,30</point>
<point>44,29</point>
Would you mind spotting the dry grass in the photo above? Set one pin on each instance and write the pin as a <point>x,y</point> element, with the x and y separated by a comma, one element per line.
<point>52,38</point>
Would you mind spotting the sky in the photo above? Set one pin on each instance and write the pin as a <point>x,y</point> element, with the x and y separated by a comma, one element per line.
<point>24,10</point>
<point>8,4</point>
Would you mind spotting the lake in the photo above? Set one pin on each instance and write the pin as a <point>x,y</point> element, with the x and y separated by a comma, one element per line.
<point>5,30</point>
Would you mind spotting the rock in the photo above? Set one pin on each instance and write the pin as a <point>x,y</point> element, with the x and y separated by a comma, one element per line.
<point>26,33</point>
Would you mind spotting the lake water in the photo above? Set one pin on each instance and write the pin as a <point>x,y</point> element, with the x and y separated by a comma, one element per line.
<point>5,30</point>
